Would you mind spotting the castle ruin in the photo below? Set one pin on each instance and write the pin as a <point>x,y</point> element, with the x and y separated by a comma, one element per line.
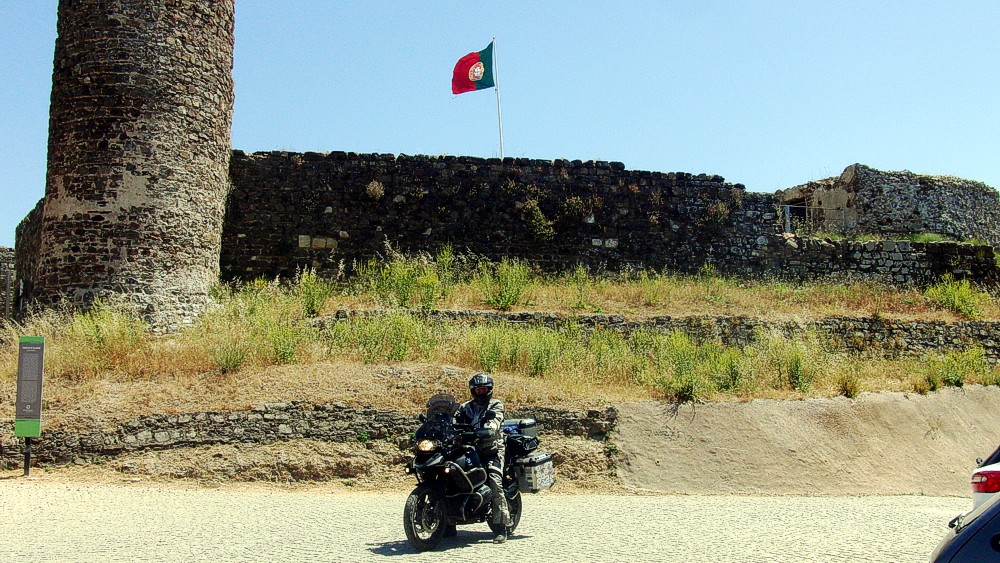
<point>146,201</point>
<point>865,201</point>
<point>138,155</point>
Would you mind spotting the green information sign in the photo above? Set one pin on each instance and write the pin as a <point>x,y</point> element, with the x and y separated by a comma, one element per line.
<point>30,362</point>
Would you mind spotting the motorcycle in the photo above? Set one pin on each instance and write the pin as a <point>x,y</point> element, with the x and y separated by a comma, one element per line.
<point>452,484</point>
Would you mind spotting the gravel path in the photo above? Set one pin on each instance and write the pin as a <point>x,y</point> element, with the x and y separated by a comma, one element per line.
<point>44,521</point>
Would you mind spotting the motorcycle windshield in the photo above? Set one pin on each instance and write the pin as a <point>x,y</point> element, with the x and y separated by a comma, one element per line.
<point>439,424</point>
<point>442,403</point>
<point>439,429</point>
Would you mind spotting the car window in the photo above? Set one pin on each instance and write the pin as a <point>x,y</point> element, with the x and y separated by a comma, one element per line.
<point>993,458</point>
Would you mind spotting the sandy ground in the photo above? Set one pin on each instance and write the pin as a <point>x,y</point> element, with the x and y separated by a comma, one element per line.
<point>101,522</point>
<point>871,479</point>
<point>877,444</point>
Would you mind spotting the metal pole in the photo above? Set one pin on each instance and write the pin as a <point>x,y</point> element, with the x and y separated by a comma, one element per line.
<point>27,456</point>
<point>496,80</point>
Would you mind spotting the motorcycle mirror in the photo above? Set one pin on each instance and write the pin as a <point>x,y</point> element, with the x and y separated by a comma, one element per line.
<point>489,415</point>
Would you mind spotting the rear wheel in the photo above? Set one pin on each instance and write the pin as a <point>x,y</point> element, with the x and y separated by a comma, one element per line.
<point>424,519</point>
<point>514,507</point>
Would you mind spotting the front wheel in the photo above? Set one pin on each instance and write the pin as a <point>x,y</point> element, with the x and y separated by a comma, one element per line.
<point>424,519</point>
<point>514,507</point>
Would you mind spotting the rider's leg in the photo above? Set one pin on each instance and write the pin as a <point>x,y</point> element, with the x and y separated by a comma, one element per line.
<point>494,469</point>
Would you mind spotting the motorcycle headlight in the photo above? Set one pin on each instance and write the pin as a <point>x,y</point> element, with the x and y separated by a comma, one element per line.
<point>426,446</point>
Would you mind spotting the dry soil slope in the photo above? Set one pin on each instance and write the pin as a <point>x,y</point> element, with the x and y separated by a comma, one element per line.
<point>886,443</point>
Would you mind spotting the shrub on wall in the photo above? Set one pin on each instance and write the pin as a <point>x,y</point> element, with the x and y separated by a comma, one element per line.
<point>539,226</point>
<point>375,190</point>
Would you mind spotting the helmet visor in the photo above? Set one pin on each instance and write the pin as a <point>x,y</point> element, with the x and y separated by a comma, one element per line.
<point>481,390</point>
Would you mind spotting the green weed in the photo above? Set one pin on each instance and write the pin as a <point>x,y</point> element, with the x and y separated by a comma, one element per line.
<point>504,285</point>
<point>391,338</point>
<point>958,296</point>
<point>311,290</point>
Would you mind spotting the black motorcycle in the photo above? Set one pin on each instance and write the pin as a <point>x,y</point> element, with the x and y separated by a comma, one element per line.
<point>452,485</point>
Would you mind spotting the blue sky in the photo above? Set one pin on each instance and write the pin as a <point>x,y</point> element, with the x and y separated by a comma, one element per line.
<point>769,94</point>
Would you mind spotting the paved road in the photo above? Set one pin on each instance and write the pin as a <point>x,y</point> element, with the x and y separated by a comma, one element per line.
<point>43,521</point>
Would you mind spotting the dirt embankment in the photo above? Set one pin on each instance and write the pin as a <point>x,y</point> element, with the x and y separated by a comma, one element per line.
<point>877,444</point>
<point>885,443</point>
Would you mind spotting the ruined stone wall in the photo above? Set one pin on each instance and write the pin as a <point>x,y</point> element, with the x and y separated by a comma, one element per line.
<point>6,282</point>
<point>27,248</point>
<point>289,211</point>
<point>866,201</point>
<point>873,334</point>
<point>893,203</point>
<point>899,263</point>
<point>293,210</point>
<point>265,424</point>
<point>141,109</point>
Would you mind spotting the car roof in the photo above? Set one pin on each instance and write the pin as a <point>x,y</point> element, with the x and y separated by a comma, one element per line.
<point>955,538</point>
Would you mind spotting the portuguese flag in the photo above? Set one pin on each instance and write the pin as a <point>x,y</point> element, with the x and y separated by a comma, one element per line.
<point>473,72</point>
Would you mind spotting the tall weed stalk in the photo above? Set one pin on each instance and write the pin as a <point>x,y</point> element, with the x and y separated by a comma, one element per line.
<point>504,285</point>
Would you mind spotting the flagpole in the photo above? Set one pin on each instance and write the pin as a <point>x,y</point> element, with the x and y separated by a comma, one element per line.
<point>496,79</point>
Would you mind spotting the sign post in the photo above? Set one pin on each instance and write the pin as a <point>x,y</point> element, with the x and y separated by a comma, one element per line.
<point>28,415</point>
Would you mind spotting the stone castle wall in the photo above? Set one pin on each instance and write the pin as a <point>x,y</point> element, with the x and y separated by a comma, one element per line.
<point>863,200</point>
<point>27,252</point>
<point>892,203</point>
<point>6,282</point>
<point>139,146</point>
<point>898,263</point>
<point>289,211</point>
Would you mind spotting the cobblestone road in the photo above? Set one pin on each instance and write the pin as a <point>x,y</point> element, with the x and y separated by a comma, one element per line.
<point>67,522</point>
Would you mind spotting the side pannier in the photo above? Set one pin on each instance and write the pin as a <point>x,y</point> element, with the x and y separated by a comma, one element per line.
<point>534,472</point>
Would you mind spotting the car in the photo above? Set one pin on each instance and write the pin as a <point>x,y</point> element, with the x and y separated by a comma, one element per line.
<point>973,537</point>
<point>986,479</point>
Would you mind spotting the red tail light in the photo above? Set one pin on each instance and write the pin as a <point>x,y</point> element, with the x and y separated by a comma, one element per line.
<point>986,482</point>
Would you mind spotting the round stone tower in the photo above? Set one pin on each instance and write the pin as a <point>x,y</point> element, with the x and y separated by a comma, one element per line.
<point>138,156</point>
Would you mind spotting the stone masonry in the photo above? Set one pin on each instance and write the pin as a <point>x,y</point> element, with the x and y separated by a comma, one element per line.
<point>139,146</point>
<point>891,203</point>
<point>328,211</point>
<point>269,423</point>
<point>862,335</point>
<point>289,210</point>
<point>6,282</point>
<point>863,200</point>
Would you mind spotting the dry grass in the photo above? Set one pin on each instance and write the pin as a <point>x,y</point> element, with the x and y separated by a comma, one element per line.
<point>256,346</point>
<point>682,296</point>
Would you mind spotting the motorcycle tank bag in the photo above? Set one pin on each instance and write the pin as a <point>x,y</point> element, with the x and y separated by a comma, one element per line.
<point>534,472</point>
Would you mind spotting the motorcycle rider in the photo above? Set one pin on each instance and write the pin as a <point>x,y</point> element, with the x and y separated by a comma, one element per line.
<point>490,450</point>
